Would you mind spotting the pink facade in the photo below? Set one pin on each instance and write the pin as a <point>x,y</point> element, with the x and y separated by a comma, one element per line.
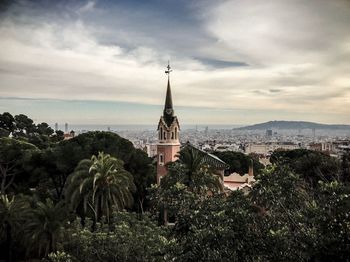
<point>166,153</point>
<point>168,144</point>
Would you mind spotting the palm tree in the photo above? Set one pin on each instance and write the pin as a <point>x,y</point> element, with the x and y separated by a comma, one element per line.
<point>193,161</point>
<point>102,185</point>
<point>12,210</point>
<point>45,227</point>
<point>198,174</point>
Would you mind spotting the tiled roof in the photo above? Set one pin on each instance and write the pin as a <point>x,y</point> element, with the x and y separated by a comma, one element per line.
<point>209,158</point>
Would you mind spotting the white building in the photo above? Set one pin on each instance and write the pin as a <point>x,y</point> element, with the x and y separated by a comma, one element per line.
<point>266,149</point>
<point>151,149</point>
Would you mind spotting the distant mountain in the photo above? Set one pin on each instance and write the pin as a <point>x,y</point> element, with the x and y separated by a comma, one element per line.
<point>292,125</point>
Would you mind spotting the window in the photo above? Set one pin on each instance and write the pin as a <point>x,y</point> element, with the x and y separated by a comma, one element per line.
<point>175,132</point>
<point>164,135</point>
<point>172,135</point>
<point>161,133</point>
<point>161,159</point>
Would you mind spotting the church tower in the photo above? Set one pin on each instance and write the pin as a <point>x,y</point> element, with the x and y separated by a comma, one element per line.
<point>168,134</point>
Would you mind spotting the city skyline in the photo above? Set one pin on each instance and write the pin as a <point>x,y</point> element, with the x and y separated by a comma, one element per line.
<point>234,62</point>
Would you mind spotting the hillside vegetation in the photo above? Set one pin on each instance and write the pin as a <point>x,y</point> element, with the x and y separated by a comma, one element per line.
<point>93,198</point>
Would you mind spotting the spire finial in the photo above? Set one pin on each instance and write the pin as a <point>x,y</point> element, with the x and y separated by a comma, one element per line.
<point>169,70</point>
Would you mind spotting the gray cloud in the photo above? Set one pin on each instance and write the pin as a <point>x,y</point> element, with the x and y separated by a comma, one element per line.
<point>275,90</point>
<point>212,63</point>
<point>239,55</point>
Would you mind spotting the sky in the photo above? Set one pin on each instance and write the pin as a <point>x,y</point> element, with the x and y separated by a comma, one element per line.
<point>234,62</point>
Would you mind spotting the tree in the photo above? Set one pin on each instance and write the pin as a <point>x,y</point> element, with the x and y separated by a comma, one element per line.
<point>58,257</point>
<point>69,153</point>
<point>345,168</point>
<point>50,167</point>
<point>45,172</point>
<point>171,198</point>
<point>40,141</point>
<point>239,162</point>
<point>42,136</point>
<point>215,228</point>
<point>283,218</point>
<point>144,174</point>
<point>195,173</point>
<point>7,124</point>
<point>21,126</point>
<point>44,129</point>
<point>14,154</point>
<point>12,210</point>
<point>57,136</point>
<point>44,227</point>
<point>101,184</point>
<point>281,197</point>
<point>130,238</point>
<point>190,176</point>
<point>24,126</point>
<point>311,165</point>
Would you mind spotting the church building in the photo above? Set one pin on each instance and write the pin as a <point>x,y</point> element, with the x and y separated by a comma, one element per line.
<point>168,134</point>
<point>168,147</point>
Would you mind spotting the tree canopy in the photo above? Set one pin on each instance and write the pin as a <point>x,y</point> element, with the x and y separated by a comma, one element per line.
<point>239,162</point>
<point>313,166</point>
<point>14,156</point>
<point>71,200</point>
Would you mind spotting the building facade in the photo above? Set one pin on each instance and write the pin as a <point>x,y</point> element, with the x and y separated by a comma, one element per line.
<point>268,148</point>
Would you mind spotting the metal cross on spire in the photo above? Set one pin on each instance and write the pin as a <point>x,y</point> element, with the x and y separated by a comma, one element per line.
<point>169,69</point>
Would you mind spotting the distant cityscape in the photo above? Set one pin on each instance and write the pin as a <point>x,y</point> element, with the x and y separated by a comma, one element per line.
<point>231,138</point>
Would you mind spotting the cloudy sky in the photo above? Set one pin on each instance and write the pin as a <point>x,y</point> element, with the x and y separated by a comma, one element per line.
<point>234,62</point>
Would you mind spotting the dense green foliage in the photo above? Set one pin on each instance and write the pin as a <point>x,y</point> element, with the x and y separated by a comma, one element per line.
<point>15,156</point>
<point>91,198</point>
<point>129,237</point>
<point>279,220</point>
<point>239,162</point>
<point>192,171</point>
<point>44,227</point>
<point>311,165</point>
<point>22,127</point>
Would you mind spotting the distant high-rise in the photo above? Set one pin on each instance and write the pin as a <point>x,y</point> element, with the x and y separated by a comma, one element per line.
<point>66,127</point>
<point>268,133</point>
<point>56,126</point>
<point>206,131</point>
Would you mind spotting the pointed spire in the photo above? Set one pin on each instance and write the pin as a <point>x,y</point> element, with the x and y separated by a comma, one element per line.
<point>168,112</point>
<point>168,98</point>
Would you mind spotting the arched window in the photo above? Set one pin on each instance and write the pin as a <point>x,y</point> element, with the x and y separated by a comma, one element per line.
<point>172,135</point>
<point>164,135</point>
<point>161,133</point>
<point>175,132</point>
<point>161,159</point>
